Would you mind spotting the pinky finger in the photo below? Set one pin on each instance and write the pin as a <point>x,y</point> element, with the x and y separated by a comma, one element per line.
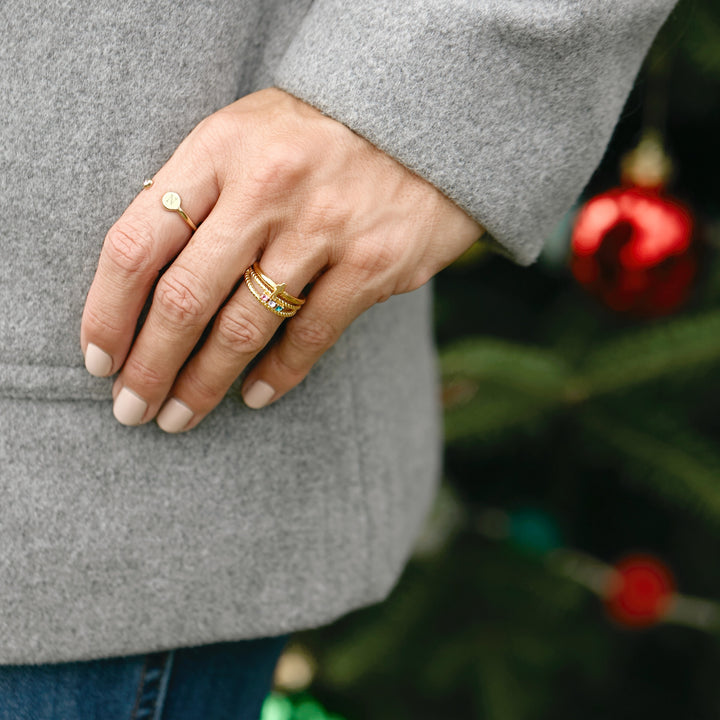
<point>329,309</point>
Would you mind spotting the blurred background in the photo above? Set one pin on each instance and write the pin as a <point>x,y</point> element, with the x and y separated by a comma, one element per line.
<point>571,565</point>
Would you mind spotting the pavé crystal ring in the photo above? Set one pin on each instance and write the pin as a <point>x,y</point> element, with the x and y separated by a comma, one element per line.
<point>271,295</point>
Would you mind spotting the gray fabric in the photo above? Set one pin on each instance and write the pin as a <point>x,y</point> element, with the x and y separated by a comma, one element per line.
<point>505,105</point>
<point>117,540</point>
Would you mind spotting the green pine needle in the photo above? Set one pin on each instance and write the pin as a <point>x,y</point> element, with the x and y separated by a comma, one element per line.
<point>664,453</point>
<point>671,347</point>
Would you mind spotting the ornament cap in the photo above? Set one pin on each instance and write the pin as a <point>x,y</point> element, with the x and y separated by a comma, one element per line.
<point>648,165</point>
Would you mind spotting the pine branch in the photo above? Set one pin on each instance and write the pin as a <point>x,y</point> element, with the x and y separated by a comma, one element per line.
<point>677,346</point>
<point>493,386</point>
<point>671,459</point>
<point>493,410</point>
<point>541,373</point>
<point>497,690</point>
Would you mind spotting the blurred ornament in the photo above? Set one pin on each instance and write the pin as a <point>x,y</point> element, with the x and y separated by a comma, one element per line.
<point>640,591</point>
<point>297,707</point>
<point>309,709</point>
<point>534,530</point>
<point>276,707</point>
<point>295,669</point>
<point>632,245</point>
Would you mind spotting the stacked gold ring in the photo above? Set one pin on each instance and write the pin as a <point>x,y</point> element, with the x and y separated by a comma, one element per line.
<point>271,295</point>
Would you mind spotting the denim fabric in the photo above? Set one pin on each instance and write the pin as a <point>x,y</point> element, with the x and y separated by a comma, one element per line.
<point>222,681</point>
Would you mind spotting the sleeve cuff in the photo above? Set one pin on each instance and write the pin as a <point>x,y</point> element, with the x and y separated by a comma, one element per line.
<point>506,107</point>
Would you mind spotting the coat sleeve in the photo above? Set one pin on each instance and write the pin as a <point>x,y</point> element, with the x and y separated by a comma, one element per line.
<point>506,106</point>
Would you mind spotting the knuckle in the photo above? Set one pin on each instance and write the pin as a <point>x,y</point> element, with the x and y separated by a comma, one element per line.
<point>284,163</point>
<point>178,300</point>
<point>311,334</point>
<point>327,211</point>
<point>212,136</point>
<point>372,262</point>
<point>97,322</point>
<point>379,259</point>
<point>128,245</point>
<point>289,368</point>
<point>238,334</point>
<point>211,128</point>
<point>204,395</point>
<point>138,374</point>
<point>420,278</point>
<point>304,248</point>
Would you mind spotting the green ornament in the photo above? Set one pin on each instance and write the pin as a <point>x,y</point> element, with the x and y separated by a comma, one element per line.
<point>534,530</point>
<point>309,710</point>
<point>276,707</point>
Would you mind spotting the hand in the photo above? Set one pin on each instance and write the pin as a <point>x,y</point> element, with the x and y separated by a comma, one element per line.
<point>271,179</point>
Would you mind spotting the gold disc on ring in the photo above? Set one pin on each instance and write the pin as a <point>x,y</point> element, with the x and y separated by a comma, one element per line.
<point>171,200</point>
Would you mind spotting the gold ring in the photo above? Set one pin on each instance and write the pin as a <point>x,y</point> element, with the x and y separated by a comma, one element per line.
<point>271,295</point>
<point>171,201</point>
<point>277,290</point>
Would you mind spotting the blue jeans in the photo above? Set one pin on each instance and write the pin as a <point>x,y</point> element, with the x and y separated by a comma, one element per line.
<point>222,681</point>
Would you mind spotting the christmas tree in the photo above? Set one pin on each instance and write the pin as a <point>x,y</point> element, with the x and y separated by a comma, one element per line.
<point>569,567</point>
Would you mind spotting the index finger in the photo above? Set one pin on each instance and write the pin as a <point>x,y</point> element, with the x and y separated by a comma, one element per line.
<point>145,238</point>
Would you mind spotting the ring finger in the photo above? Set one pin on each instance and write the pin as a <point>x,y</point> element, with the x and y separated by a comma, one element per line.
<point>241,330</point>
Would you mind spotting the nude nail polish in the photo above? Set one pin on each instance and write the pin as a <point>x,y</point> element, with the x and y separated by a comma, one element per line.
<point>97,361</point>
<point>258,395</point>
<point>129,407</point>
<point>174,416</point>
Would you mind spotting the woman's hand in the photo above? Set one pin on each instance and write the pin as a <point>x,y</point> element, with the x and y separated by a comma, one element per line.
<point>271,179</point>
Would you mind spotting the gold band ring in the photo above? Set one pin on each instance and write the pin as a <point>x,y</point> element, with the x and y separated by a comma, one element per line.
<point>276,290</point>
<point>271,295</point>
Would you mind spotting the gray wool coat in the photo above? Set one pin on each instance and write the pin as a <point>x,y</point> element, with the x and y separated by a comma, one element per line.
<point>117,540</point>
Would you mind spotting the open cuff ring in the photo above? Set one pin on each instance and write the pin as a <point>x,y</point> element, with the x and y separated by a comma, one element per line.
<point>271,295</point>
<point>171,201</point>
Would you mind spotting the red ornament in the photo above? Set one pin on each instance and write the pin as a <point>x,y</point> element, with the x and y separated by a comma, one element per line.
<point>632,245</point>
<point>640,591</point>
<point>632,248</point>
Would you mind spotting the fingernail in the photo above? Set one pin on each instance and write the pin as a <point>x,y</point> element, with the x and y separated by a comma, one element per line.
<point>174,416</point>
<point>258,395</point>
<point>129,407</point>
<point>97,361</point>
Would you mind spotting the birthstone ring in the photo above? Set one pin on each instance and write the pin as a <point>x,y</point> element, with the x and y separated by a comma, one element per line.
<point>271,295</point>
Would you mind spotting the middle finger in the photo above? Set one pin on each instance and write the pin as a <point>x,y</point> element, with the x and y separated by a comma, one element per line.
<point>186,297</point>
<point>241,330</point>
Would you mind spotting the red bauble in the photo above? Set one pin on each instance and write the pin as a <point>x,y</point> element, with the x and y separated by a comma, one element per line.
<point>632,248</point>
<point>640,591</point>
